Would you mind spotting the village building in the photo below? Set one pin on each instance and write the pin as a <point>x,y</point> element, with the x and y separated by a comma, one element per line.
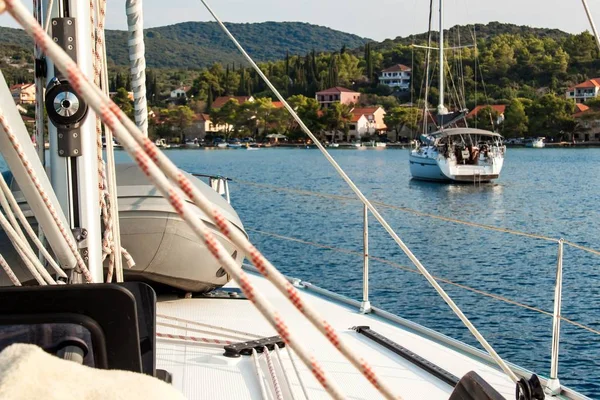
<point>584,91</point>
<point>337,94</point>
<point>397,77</point>
<point>23,93</point>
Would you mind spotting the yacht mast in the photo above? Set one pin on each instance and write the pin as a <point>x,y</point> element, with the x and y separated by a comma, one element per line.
<point>441,109</point>
<point>72,132</point>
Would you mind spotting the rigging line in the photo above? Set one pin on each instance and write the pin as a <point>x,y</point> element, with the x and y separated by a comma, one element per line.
<point>9,272</point>
<point>193,339</point>
<point>259,375</point>
<point>284,371</point>
<point>592,24</point>
<point>158,168</point>
<point>188,328</point>
<point>274,378</point>
<point>298,375</point>
<point>6,193</point>
<point>427,65</point>
<point>417,212</point>
<point>190,322</point>
<point>441,279</point>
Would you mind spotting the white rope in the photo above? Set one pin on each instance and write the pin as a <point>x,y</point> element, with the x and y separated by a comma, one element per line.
<point>297,372</point>
<point>22,247</point>
<point>383,389</point>
<point>274,379</point>
<point>137,61</point>
<point>288,382</point>
<point>6,192</point>
<point>190,322</point>
<point>259,375</point>
<point>9,272</point>
<point>187,328</point>
<point>128,134</point>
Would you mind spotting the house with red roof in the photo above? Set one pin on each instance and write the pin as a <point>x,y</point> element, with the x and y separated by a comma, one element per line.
<point>222,100</point>
<point>23,93</point>
<point>397,77</point>
<point>366,121</point>
<point>499,108</point>
<point>337,94</point>
<point>584,91</point>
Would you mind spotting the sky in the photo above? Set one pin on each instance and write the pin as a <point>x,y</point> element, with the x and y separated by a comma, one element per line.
<point>376,19</point>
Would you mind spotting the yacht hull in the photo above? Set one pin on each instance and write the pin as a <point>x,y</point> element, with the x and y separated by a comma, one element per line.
<point>440,169</point>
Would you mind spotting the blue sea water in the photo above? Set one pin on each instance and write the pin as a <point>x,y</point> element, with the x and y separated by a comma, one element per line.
<point>551,192</point>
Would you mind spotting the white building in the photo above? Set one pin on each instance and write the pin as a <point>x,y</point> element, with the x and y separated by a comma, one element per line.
<point>589,89</point>
<point>397,76</point>
<point>180,92</point>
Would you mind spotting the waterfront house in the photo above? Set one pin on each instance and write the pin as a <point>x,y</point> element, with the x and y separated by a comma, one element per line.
<point>584,91</point>
<point>589,122</point>
<point>129,95</point>
<point>23,93</point>
<point>397,77</point>
<point>366,121</point>
<point>337,94</point>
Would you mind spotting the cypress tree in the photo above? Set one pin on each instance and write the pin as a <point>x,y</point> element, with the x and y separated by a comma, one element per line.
<point>209,100</point>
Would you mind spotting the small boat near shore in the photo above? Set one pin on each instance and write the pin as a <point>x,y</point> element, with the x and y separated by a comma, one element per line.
<point>536,143</point>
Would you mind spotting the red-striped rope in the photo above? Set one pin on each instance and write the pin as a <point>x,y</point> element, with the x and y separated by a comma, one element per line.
<point>38,186</point>
<point>193,338</point>
<point>116,120</point>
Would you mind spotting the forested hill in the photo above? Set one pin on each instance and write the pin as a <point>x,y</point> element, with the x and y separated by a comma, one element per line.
<point>200,44</point>
<point>467,33</point>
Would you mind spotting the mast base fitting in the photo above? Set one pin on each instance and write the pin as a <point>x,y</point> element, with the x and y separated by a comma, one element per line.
<point>530,389</point>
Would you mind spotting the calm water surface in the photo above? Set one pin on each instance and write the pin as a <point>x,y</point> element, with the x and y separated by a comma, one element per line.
<point>551,192</point>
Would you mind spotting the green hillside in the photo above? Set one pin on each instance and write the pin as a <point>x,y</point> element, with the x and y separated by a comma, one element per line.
<point>199,44</point>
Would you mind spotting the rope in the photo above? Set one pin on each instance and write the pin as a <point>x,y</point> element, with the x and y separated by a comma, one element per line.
<point>441,279</point>
<point>137,60</point>
<point>129,135</point>
<point>9,272</point>
<point>418,213</point>
<point>6,193</point>
<point>36,183</point>
<point>274,379</point>
<point>284,371</point>
<point>259,375</point>
<point>190,322</point>
<point>31,261</point>
<point>297,372</point>
<point>193,339</point>
<point>185,328</point>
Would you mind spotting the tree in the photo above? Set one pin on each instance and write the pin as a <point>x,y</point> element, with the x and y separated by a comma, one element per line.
<point>400,117</point>
<point>226,115</point>
<point>486,119</point>
<point>121,98</point>
<point>515,119</point>
<point>551,115</point>
<point>337,117</point>
<point>180,118</point>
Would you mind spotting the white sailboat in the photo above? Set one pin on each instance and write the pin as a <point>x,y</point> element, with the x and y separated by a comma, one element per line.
<point>463,155</point>
<point>243,342</point>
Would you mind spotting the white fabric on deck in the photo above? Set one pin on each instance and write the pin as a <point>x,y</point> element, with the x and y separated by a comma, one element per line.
<point>27,372</point>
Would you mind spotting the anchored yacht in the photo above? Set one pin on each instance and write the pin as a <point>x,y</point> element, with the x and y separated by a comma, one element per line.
<point>462,155</point>
<point>458,155</point>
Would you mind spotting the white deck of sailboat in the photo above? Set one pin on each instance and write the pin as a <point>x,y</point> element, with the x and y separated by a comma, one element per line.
<point>204,373</point>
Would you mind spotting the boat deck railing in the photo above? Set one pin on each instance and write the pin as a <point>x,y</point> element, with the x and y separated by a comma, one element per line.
<point>553,383</point>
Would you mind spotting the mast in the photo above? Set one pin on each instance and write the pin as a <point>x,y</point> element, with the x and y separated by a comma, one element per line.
<point>441,109</point>
<point>72,133</point>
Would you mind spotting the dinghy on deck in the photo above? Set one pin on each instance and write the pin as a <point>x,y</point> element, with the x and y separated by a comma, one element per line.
<point>164,248</point>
